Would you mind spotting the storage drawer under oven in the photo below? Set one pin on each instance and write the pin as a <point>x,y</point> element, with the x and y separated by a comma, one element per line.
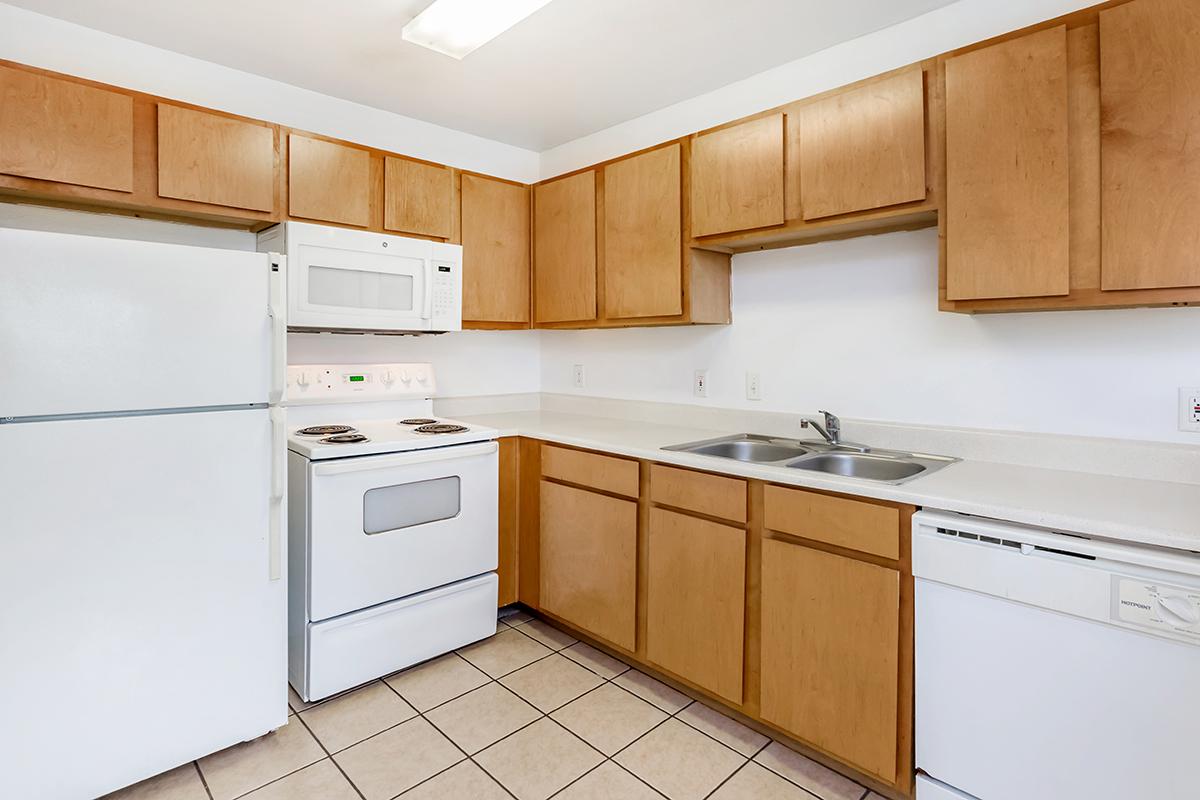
<point>387,526</point>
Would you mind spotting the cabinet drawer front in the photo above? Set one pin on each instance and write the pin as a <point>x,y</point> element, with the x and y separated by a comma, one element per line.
<point>696,600</point>
<point>839,521</point>
<point>62,131</point>
<point>713,495</point>
<point>209,158</point>
<point>830,653</point>
<point>588,554</point>
<point>616,475</point>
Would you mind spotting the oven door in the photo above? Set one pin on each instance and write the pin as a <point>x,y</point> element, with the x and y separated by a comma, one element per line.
<point>333,287</point>
<point>387,526</point>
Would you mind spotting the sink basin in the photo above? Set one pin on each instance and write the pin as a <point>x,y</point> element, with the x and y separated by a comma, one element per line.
<point>861,465</point>
<point>749,450</point>
<point>850,461</point>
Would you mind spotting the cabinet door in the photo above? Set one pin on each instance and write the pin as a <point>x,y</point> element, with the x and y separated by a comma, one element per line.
<point>696,601</point>
<point>418,198</point>
<point>643,257</point>
<point>830,653</point>
<point>328,181</point>
<point>1007,196</point>
<point>214,159</point>
<point>588,553</point>
<point>737,177</point>
<point>495,241</point>
<point>564,249</point>
<point>57,130</point>
<point>1150,144</point>
<point>864,148</point>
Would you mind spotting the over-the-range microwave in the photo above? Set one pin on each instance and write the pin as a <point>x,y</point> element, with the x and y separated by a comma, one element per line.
<point>363,282</point>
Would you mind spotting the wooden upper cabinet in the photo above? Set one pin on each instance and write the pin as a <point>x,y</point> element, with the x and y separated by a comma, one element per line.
<point>1007,204</point>
<point>328,181</point>
<point>1150,144</point>
<point>211,158</point>
<point>863,148</point>
<point>643,249</point>
<point>737,177</point>
<point>564,249</point>
<point>695,600</point>
<point>67,132</point>
<point>495,241</point>
<point>418,198</point>
<point>588,561</point>
<point>830,653</point>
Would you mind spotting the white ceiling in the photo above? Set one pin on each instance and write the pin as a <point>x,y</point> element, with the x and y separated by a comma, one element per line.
<point>572,68</point>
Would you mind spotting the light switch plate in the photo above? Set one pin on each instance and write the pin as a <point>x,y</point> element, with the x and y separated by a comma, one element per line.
<point>753,386</point>
<point>1189,409</point>
<point>577,377</point>
<point>700,383</point>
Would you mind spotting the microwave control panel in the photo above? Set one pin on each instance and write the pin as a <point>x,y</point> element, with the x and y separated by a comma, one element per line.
<point>445,285</point>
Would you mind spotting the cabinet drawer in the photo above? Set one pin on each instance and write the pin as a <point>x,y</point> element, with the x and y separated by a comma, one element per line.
<point>608,474</point>
<point>839,521</point>
<point>713,495</point>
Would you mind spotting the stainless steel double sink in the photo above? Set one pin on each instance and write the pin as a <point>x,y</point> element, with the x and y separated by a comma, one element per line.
<point>850,461</point>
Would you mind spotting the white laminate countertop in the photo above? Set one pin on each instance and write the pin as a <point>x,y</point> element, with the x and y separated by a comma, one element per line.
<point>1150,512</point>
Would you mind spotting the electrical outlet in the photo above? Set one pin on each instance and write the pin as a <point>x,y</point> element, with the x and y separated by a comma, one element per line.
<point>753,386</point>
<point>1189,409</point>
<point>700,383</point>
<point>577,376</point>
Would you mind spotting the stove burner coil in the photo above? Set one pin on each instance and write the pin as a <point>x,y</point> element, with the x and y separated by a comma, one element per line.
<point>325,430</point>
<point>345,438</point>
<point>417,421</point>
<point>441,427</point>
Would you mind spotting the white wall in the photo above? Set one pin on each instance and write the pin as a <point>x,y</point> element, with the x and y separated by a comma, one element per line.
<point>53,44</point>
<point>852,327</point>
<point>928,35</point>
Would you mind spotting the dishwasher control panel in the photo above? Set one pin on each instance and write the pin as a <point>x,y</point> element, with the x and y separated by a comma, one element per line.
<point>1158,606</point>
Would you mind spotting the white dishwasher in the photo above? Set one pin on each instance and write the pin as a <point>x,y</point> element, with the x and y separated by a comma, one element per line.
<point>1053,666</point>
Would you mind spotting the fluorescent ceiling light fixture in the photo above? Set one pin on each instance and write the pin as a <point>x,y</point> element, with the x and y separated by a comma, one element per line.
<point>456,27</point>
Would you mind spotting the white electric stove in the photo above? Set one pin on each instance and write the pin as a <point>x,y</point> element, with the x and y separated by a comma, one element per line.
<point>392,525</point>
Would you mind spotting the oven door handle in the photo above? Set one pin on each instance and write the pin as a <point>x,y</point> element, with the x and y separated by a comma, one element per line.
<point>370,464</point>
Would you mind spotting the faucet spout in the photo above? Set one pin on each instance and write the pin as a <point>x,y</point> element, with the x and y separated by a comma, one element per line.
<point>831,431</point>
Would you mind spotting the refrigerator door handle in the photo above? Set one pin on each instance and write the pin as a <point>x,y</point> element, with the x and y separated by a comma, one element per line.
<point>278,486</point>
<point>277,309</point>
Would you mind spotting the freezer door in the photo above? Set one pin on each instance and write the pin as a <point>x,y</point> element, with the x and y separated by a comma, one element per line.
<point>89,324</point>
<point>140,625</point>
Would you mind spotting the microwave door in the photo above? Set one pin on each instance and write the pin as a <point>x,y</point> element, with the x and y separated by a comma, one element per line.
<point>335,288</point>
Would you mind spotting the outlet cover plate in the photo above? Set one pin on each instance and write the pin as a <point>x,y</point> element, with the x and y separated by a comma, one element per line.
<point>700,383</point>
<point>1189,409</point>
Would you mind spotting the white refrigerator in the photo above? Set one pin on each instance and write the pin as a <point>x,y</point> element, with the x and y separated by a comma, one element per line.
<point>142,597</point>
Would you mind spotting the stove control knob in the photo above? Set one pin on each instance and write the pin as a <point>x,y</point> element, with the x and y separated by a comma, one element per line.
<point>302,380</point>
<point>404,376</point>
<point>422,378</point>
<point>388,378</point>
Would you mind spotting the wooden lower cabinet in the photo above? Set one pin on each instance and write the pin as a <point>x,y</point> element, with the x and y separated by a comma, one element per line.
<point>696,600</point>
<point>588,561</point>
<point>830,653</point>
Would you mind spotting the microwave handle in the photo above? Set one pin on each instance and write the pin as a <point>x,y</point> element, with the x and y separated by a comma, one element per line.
<point>428,313</point>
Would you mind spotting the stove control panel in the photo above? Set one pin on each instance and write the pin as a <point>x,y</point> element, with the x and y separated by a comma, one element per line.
<point>331,383</point>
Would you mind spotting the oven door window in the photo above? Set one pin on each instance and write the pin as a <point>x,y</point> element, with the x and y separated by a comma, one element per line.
<point>392,508</point>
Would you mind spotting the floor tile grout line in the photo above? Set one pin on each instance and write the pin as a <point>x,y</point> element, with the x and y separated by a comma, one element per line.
<point>329,755</point>
<point>779,774</point>
<point>203,780</point>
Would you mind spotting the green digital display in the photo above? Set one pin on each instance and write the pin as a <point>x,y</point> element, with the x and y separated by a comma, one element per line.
<point>357,378</point>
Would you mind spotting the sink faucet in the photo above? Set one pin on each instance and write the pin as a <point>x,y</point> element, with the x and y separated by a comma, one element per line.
<point>831,431</point>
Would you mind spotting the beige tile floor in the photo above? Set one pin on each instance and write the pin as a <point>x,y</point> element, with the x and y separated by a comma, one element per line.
<point>530,714</point>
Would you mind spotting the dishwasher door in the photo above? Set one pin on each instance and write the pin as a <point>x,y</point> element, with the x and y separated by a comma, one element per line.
<point>1053,666</point>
